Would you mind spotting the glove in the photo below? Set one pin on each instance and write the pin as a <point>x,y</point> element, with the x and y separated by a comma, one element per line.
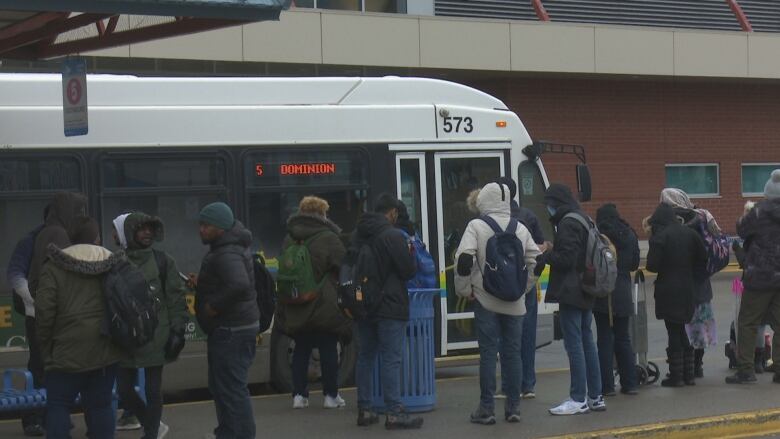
<point>174,345</point>
<point>541,261</point>
<point>465,262</point>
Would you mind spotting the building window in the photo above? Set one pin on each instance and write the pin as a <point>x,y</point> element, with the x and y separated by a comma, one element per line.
<point>388,6</point>
<point>696,179</point>
<point>754,177</point>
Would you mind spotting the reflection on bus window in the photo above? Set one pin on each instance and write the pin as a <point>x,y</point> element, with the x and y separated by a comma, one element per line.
<point>531,188</point>
<point>39,175</point>
<point>268,214</point>
<point>178,172</point>
<point>411,191</point>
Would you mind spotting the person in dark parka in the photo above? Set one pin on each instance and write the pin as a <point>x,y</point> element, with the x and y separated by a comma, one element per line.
<point>676,253</point>
<point>567,263</point>
<point>613,337</point>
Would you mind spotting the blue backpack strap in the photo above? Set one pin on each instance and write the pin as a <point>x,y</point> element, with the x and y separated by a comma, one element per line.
<point>511,228</point>
<point>492,223</point>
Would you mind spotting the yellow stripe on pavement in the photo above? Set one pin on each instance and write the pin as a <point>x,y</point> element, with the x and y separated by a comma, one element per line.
<point>735,425</point>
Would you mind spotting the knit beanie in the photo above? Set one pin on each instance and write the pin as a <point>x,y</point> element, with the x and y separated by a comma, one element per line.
<point>218,214</point>
<point>772,187</point>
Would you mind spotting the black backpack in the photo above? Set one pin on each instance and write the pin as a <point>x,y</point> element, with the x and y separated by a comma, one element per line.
<point>504,275</point>
<point>360,287</point>
<point>130,305</point>
<point>265,286</point>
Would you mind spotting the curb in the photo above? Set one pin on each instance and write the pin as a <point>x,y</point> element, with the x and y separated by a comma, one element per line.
<point>744,424</point>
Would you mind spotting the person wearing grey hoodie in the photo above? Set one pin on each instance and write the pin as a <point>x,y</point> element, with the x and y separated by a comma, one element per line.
<point>495,318</point>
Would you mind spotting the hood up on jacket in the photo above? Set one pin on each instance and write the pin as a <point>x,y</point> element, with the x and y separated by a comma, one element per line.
<point>493,199</point>
<point>559,195</point>
<point>371,224</point>
<point>609,222</point>
<point>663,217</point>
<point>65,208</point>
<point>135,221</point>
<point>686,210</point>
<point>304,225</point>
<point>87,259</point>
<point>238,235</point>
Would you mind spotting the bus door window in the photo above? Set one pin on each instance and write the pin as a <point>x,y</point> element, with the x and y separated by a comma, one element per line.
<point>531,191</point>
<point>412,190</point>
<point>276,181</point>
<point>27,185</point>
<point>172,188</point>
<point>457,174</point>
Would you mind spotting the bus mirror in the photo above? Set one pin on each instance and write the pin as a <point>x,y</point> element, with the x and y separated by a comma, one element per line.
<point>583,182</point>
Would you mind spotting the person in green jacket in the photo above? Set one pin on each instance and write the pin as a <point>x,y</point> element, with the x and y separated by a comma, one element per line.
<point>318,323</point>
<point>78,356</point>
<point>136,232</point>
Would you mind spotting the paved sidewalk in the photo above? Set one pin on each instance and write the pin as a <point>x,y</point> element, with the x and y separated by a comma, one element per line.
<point>458,396</point>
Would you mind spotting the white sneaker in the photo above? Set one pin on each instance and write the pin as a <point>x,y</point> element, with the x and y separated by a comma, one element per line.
<point>333,402</point>
<point>570,407</point>
<point>162,431</point>
<point>299,402</point>
<point>598,404</point>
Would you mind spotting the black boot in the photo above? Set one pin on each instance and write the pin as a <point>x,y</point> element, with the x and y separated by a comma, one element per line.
<point>759,360</point>
<point>698,361</point>
<point>402,421</point>
<point>688,366</point>
<point>675,369</point>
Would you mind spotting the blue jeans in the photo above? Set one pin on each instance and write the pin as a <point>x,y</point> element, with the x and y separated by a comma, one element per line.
<point>384,337</point>
<point>528,344</point>
<point>327,344</point>
<point>492,327</point>
<point>583,357</point>
<point>95,387</point>
<point>230,353</point>
<point>615,342</point>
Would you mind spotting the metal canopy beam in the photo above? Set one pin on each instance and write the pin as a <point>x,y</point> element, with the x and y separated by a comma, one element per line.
<point>245,10</point>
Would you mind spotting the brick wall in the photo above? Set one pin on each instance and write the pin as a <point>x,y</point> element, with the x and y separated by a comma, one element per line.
<point>631,128</point>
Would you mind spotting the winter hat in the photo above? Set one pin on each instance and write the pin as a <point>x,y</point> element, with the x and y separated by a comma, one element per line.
<point>508,182</point>
<point>119,226</point>
<point>218,214</point>
<point>85,230</point>
<point>772,187</point>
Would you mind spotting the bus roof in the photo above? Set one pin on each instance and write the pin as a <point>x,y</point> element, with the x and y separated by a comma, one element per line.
<point>122,90</point>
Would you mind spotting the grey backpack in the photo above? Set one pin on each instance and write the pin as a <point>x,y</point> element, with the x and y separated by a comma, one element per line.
<point>600,273</point>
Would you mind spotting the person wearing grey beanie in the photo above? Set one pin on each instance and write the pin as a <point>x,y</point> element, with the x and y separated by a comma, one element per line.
<point>772,186</point>
<point>760,230</point>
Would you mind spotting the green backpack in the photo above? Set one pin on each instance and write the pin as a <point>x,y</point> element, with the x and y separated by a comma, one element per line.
<point>295,281</point>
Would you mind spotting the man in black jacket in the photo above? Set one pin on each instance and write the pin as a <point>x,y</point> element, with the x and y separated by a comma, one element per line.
<point>226,309</point>
<point>384,330</point>
<point>760,229</point>
<point>567,262</point>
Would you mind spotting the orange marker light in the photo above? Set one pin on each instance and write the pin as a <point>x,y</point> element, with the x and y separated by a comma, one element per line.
<point>501,124</point>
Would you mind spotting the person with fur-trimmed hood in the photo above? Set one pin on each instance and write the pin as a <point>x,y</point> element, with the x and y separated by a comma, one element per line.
<point>496,319</point>
<point>78,356</point>
<point>318,323</point>
<point>136,233</point>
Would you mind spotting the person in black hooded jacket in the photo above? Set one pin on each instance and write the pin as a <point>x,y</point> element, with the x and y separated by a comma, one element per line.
<point>567,262</point>
<point>384,329</point>
<point>613,337</point>
<point>676,253</point>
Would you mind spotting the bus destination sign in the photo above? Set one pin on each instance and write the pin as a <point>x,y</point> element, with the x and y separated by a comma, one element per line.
<point>299,169</point>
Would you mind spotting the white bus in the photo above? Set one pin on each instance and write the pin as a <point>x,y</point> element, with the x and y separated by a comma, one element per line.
<point>168,146</point>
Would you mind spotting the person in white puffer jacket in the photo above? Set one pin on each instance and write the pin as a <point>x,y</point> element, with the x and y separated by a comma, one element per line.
<point>495,319</point>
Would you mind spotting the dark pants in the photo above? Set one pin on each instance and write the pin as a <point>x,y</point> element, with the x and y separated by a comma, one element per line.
<point>756,307</point>
<point>327,344</point>
<point>95,386</point>
<point>230,353</point>
<point>383,337</point>
<point>615,342</point>
<point>148,413</point>
<point>582,353</point>
<point>492,327</point>
<point>35,366</point>
<point>528,344</point>
<point>678,338</point>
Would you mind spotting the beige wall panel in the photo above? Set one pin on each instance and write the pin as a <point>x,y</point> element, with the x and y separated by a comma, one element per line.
<point>547,47</point>
<point>218,45</point>
<point>295,38</point>
<point>764,55</point>
<point>634,51</point>
<point>461,44</point>
<point>710,54</point>
<point>370,40</point>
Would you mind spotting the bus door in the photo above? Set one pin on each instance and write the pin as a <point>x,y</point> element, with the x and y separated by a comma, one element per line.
<point>456,175</point>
